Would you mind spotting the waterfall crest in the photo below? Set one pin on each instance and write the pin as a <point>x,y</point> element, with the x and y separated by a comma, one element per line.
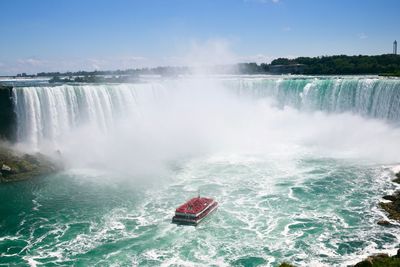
<point>45,112</point>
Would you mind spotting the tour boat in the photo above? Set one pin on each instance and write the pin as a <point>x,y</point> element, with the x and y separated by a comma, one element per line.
<point>194,211</point>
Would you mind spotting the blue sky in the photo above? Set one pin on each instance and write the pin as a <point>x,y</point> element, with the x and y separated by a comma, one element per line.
<point>60,35</point>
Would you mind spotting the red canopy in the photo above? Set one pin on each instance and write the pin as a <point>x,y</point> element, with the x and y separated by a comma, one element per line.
<point>195,205</point>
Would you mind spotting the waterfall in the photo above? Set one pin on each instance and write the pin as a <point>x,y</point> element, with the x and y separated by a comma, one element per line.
<point>48,112</point>
<point>370,97</point>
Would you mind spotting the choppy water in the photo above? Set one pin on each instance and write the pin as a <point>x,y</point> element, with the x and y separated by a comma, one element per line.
<point>307,211</point>
<point>294,185</point>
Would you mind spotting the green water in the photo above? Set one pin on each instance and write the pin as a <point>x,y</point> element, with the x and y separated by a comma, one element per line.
<point>297,165</point>
<point>306,210</point>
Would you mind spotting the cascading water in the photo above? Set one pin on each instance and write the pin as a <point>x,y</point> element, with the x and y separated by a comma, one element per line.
<point>297,165</point>
<point>44,113</point>
<point>372,97</point>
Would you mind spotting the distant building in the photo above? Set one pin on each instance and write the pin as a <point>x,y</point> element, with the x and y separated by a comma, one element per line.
<point>395,47</point>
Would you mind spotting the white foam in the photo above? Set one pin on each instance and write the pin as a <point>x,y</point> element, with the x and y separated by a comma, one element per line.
<point>396,169</point>
<point>5,238</point>
<point>31,261</point>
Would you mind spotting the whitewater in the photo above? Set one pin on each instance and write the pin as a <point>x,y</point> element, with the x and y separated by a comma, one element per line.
<point>298,165</point>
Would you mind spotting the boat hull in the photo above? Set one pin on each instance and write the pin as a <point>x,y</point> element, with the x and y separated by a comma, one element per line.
<point>186,220</point>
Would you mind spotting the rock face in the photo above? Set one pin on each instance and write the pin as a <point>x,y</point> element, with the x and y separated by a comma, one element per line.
<point>379,260</point>
<point>397,179</point>
<point>17,167</point>
<point>7,114</point>
<point>390,197</point>
<point>384,223</point>
<point>285,264</point>
<point>392,207</point>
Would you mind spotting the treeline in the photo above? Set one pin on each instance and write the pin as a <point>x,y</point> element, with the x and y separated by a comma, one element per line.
<point>131,75</point>
<point>93,79</point>
<point>342,64</point>
<point>387,64</point>
<point>165,71</point>
<point>241,68</point>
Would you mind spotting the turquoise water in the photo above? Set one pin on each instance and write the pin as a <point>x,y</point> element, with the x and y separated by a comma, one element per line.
<point>298,166</point>
<point>309,211</point>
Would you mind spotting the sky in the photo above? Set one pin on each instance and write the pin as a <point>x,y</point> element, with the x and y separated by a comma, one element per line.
<point>70,35</point>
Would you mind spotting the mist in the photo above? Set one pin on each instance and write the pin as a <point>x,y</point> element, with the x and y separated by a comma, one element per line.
<point>141,130</point>
<point>183,119</point>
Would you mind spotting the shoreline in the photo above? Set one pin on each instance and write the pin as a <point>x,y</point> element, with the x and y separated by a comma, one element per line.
<point>391,206</point>
<point>16,166</point>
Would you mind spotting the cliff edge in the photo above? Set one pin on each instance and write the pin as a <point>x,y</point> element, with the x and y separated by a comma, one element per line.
<point>7,114</point>
<point>16,166</point>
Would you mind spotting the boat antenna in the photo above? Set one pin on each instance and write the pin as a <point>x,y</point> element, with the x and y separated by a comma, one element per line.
<point>198,193</point>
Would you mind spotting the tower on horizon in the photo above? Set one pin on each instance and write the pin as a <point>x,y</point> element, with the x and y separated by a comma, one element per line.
<point>395,47</point>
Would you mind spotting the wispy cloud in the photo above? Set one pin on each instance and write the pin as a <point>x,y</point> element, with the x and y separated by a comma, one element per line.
<point>33,65</point>
<point>136,58</point>
<point>259,58</point>
<point>362,35</point>
<point>31,62</point>
<point>215,51</point>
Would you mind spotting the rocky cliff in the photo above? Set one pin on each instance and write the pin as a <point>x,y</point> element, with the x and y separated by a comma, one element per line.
<point>16,166</point>
<point>7,114</point>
